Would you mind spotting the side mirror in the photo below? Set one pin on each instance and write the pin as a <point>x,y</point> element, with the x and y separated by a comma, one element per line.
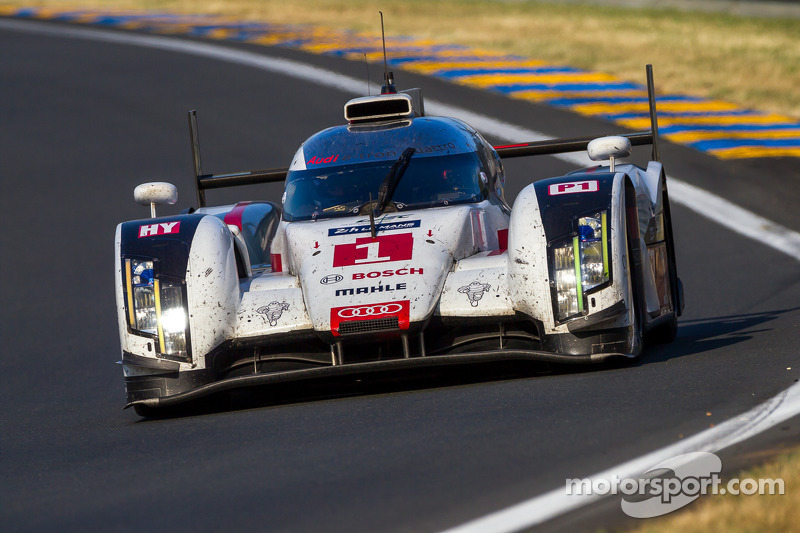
<point>155,193</point>
<point>609,148</point>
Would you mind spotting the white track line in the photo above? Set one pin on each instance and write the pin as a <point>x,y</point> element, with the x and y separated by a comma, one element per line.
<point>702,202</point>
<point>539,509</point>
<point>555,503</point>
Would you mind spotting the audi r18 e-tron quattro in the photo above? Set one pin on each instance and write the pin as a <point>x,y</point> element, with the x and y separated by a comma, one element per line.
<point>393,247</point>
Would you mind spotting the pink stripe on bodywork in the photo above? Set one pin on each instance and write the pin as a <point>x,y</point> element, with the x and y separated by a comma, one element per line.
<point>234,216</point>
<point>275,259</point>
<point>502,241</point>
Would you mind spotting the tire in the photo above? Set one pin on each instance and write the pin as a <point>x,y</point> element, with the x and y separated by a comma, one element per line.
<point>635,335</point>
<point>666,332</point>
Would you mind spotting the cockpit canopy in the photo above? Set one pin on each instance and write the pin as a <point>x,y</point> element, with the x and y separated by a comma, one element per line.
<point>335,172</point>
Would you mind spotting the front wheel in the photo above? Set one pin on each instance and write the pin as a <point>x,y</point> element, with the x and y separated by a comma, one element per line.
<point>667,331</point>
<point>635,335</point>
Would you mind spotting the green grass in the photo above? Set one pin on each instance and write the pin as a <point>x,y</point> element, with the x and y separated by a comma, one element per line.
<point>740,513</point>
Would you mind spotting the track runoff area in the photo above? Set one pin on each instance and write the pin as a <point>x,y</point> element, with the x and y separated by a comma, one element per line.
<point>557,502</point>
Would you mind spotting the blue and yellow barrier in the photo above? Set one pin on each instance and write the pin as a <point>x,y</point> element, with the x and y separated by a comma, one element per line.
<point>719,128</point>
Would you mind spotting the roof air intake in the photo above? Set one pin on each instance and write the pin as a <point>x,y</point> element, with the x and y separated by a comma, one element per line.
<point>376,108</point>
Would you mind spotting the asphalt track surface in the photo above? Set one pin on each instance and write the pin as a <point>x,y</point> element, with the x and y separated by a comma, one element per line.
<point>82,123</point>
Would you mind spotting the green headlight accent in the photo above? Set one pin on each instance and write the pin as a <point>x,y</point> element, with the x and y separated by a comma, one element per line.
<point>158,316</point>
<point>604,237</point>
<point>576,247</point>
<point>129,294</point>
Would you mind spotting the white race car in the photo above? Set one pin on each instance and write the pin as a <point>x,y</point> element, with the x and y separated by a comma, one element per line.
<point>394,247</point>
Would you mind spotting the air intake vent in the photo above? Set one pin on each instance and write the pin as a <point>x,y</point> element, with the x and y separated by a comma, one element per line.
<point>374,108</point>
<point>365,326</point>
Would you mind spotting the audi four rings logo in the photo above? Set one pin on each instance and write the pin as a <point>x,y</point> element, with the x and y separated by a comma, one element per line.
<point>398,308</point>
<point>332,278</point>
<point>370,310</point>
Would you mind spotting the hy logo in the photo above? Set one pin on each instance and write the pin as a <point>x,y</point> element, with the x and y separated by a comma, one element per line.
<point>162,228</point>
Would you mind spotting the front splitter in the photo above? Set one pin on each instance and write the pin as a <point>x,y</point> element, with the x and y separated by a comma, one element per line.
<point>371,368</point>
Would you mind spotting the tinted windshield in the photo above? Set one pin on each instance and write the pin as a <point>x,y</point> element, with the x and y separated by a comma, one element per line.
<point>345,190</point>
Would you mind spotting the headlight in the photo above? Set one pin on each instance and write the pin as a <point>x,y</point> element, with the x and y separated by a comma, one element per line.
<point>171,319</point>
<point>141,295</point>
<point>156,308</point>
<point>581,265</point>
<point>592,235</point>
<point>568,280</point>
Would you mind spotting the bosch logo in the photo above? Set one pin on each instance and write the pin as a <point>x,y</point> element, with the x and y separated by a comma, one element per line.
<point>332,278</point>
<point>370,310</point>
<point>387,273</point>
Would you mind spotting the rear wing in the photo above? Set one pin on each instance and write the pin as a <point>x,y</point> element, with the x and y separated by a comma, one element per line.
<point>549,147</point>
<point>219,181</point>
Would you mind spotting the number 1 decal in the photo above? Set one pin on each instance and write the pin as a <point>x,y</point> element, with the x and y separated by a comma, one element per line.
<point>381,249</point>
<point>373,251</point>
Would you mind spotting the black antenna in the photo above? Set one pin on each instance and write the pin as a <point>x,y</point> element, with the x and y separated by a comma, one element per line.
<point>651,97</point>
<point>388,77</point>
<point>194,138</point>
<point>366,63</point>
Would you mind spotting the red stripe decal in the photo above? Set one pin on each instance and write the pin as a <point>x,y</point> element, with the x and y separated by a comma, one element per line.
<point>512,146</point>
<point>502,238</point>
<point>234,216</point>
<point>502,241</point>
<point>275,259</point>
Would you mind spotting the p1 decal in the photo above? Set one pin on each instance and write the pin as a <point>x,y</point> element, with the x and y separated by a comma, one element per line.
<point>381,249</point>
<point>400,309</point>
<point>572,187</point>
<point>161,228</point>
